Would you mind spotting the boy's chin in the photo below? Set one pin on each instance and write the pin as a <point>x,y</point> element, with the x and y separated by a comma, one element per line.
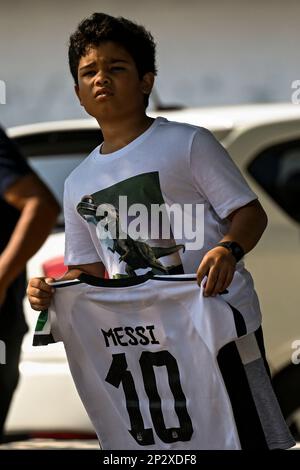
<point>100,114</point>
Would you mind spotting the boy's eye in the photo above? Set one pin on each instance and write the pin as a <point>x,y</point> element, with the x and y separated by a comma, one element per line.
<point>117,68</point>
<point>89,73</point>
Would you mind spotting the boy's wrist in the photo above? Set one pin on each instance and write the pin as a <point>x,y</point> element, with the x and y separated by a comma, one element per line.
<point>235,248</point>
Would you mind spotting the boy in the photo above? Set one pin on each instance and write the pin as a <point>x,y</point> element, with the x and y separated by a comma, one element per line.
<point>153,162</point>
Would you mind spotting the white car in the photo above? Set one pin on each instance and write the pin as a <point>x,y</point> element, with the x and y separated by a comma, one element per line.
<point>264,141</point>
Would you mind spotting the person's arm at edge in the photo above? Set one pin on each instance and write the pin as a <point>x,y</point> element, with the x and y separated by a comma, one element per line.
<point>38,212</point>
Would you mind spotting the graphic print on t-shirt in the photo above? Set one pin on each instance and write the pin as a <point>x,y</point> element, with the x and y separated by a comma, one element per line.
<point>135,253</point>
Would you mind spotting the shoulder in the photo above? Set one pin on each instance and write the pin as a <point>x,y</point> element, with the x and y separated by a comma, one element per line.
<point>184,129</point>
<point>10,152</point>
<point>13,164</point>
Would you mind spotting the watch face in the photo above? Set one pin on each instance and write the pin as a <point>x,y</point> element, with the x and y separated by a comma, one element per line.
<point>236,250</point>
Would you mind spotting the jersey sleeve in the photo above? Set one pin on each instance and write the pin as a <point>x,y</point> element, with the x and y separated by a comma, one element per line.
<point>215,175</point>
<point>12,163</point>
<point>79,246</point>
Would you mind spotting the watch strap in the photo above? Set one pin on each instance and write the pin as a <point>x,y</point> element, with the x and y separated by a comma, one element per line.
<point>235,248</point>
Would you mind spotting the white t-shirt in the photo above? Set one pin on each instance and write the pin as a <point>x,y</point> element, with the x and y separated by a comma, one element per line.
<point>143,358</point>
<point>177,165</point>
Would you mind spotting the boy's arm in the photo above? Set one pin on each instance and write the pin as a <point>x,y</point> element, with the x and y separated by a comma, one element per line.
<point>247,226</point>
<point>94,269</point>
<point>39,292</point>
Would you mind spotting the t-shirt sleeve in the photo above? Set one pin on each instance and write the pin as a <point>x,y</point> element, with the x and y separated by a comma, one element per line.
<point>79,247</point>
<point>215,175</point>
<point>12,163</point>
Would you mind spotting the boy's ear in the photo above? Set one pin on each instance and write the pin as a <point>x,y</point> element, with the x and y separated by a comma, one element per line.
<point>76,88</point>
<point>147,83</point>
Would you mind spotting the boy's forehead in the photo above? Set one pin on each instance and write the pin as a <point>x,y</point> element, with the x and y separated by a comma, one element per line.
<point>106,52</point>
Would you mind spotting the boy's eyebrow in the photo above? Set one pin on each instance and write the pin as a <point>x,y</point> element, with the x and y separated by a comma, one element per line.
<point>111,61</point>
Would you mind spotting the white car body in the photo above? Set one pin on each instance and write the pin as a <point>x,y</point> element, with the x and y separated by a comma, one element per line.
<point>46,398</point>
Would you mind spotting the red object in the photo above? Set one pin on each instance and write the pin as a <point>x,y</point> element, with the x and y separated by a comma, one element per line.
<point>54,267</point>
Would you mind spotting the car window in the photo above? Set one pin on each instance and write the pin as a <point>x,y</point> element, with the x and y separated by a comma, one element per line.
<point>53,170</point>
<point>53,155</point>
<point>277,170</point>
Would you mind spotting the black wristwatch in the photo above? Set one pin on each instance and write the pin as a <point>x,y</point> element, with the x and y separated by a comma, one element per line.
<point>234,248</point>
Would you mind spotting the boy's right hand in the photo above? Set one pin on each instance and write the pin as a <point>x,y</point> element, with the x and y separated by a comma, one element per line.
<point>40,293</point>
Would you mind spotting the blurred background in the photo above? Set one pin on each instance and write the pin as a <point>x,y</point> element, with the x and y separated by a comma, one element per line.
<point>208,53</point>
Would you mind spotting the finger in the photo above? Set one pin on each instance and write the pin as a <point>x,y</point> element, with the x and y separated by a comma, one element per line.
<point>37,304</point>
<point>220,282</point>
<point>70,275</point>
<point>39,301</point>
<point>211,282</point>
<point>39,294</point>
<point>229,278</point>
<point>39,308</point>
<point>202,272</point>
<point>39,283</point>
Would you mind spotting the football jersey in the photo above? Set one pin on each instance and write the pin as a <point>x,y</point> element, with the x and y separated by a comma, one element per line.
<point>142,352</point>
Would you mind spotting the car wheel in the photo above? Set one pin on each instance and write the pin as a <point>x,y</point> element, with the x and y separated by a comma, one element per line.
<point>287,389</point>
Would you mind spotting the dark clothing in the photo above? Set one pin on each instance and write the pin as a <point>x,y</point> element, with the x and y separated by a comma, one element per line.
<point>12,321</point>
<point>12,166</point>
<point>11,312</point>
<point>9,372</point>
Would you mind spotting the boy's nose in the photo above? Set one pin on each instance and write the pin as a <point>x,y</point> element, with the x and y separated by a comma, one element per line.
<point>102,79</point>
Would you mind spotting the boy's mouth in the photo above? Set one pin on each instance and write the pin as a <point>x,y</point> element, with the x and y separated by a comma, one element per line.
<point>103,92</point>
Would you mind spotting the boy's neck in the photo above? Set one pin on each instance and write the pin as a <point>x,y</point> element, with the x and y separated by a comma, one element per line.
<point>118,134</point>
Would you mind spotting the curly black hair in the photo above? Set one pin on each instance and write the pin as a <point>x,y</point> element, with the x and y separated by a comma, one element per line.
<point>99,28</point>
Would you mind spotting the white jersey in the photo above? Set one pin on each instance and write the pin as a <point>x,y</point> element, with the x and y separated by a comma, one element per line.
<point>143,358</point>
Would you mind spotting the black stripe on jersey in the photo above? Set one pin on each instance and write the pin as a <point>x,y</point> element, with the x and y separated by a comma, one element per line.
<point>42,339</point>
<point>129,281</point>
<point>123,282</point>
<point>239,321</point>
<point>245,413</point>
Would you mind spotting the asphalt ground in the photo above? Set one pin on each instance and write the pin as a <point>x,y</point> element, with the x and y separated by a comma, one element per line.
<point>51,444</point>
<point>61,444</point>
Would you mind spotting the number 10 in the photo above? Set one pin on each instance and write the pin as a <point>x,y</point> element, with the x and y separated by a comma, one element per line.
<point>118,374</point>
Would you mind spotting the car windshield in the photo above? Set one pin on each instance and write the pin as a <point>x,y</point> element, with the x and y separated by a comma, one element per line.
<point>53,170</point>
<point>53,155</point>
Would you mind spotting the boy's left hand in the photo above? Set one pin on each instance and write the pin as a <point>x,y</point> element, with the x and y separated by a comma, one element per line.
<point>218,265</point>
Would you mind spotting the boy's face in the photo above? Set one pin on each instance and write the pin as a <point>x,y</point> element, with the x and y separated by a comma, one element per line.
<point>108,83</point>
